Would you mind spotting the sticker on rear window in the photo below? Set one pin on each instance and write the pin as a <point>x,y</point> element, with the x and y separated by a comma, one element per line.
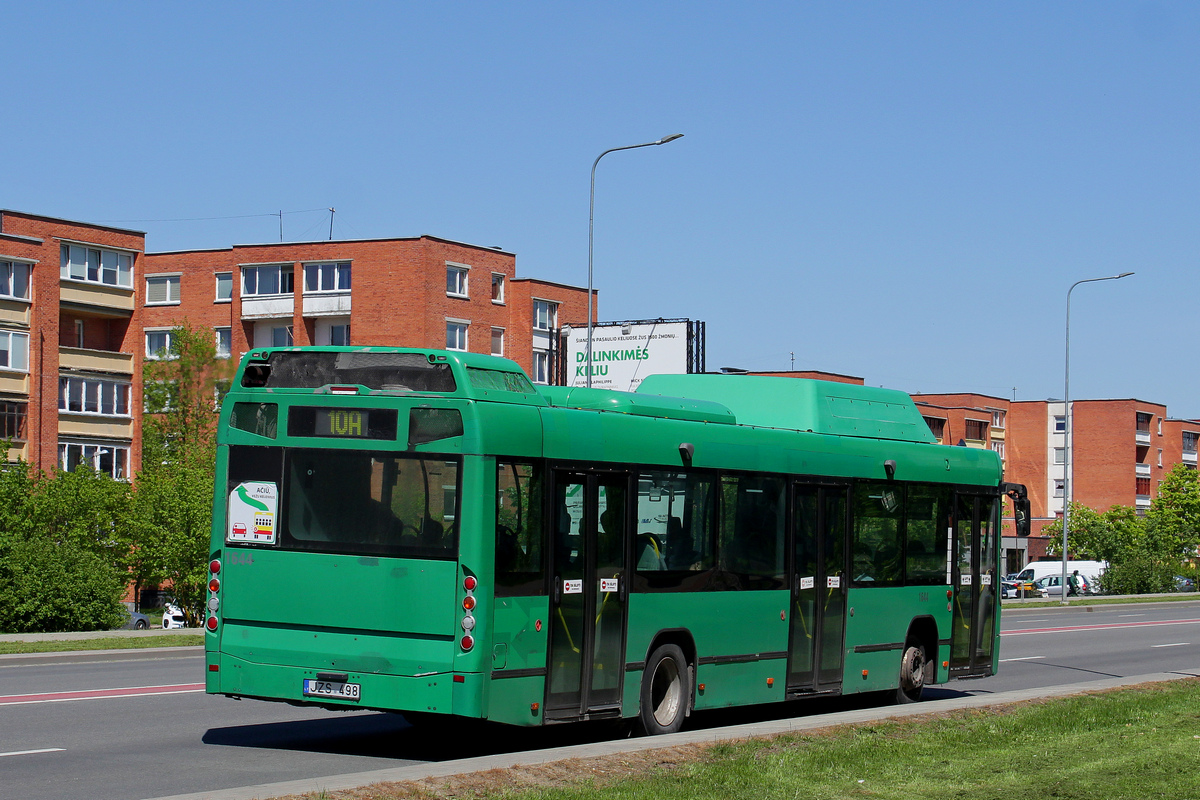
<point>252,508</point>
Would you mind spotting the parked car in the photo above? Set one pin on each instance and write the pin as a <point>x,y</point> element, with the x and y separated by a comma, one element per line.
<point>135,620</point>
<point>173,617</point>
<point>1051,586</point>
<point>1184,584</point>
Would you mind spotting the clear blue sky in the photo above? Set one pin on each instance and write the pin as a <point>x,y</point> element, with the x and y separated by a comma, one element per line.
<point>899,191</point>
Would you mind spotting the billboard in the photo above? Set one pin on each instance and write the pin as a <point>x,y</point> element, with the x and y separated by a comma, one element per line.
<point>623,353</point>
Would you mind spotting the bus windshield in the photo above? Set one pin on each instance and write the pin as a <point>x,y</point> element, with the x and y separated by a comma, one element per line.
<point>312,369</point>
<point>352,501</point>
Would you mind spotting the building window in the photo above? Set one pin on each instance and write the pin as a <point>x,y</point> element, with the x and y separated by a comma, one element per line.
<point>14,279</point>
<point>14,351</point>
<point>158,344</point>
<point>997,418</point>
<point>93,396</point>
<point>541,366</point>
<point>1189,441</point>
<point>456,280</point>
<point>497,341</point>
<point>456,335</point>
<point>1060,424</point>
<point>162,290</point>
<point>79,334</point>
<point>269,280</point>
<point>977,430</point>
<point>936,425</point>
<point>224,342</point>
<point>96,265</point>
<point>1160,426</point>
<point>281,336</point>
<point>1143,422</point>
<point>1160,461</point>
<point>339,335</point>
<point>12,420</point>
<point>998,449</point>
<point>1143,487</point>
<point>224,287</point>
<point>1060,455</point>
<point>497,287</point>
<point>545,315</point>
<point>333,277</point>
<point>1058,488</point>
<point>106,458</point>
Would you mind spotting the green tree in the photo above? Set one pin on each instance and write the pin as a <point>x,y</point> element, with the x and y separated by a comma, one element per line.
<point>1174,517</point>
<point>174,489</point>
<point>62,548</point>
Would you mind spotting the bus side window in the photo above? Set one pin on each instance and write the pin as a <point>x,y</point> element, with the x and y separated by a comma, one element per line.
<point>519,566</point>
<point>927,516</point>
<point>752,530</point>
<point>878,517</point>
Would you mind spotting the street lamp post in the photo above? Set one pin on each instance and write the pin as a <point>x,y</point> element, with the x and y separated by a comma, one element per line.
<point>591,217</point>
<point>1068,460</point>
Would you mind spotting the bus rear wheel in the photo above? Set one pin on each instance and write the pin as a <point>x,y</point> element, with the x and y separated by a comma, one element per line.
<point>912,673</point>
<point>666,691</point>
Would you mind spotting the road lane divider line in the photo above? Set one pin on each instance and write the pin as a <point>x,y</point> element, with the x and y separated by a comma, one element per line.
<point>1172,644</point>
<point>1101,627</point>
<point>34,752</point>
<point>1022,658</point>
<point>99,694</point>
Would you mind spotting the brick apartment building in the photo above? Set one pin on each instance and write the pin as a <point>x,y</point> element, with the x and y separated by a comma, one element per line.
<point>73,340</point>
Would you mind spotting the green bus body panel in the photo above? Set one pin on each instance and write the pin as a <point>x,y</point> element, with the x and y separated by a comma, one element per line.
<point>800,404</point>
<point>881,616</point>
<point>278,592</point>
<point>641,405</point>
<point>516,642</point>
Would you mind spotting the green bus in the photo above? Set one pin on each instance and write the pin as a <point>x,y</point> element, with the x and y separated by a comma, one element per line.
<point>427,532</point>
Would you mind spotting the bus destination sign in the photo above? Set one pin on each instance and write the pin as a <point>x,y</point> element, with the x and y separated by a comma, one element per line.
<point>342,423</point>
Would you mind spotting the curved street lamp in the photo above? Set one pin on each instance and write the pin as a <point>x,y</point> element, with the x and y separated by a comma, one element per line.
<point>1068,461</point>
<point>591,217</point>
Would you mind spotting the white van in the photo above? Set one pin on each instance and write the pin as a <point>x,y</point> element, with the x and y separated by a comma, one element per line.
<point>1090,570</point>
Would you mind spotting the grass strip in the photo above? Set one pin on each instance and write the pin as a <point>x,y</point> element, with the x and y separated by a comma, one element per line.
<point>109,643</point>
<point>1130,744</point>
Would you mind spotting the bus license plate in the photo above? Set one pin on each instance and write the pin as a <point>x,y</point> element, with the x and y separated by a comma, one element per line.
<point>343,691</point>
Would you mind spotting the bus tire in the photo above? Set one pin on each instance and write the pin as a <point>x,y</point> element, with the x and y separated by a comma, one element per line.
<point>912,672</point>
<point>666,691</point>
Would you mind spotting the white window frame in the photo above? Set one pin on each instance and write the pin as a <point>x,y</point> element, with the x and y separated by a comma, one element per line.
<point>338,273</point>
<point>1059,487</point>
<point>998,415</point>
<point>541,367</point>
<point>498,279</point>
<point>228,280</point>
<point>94,392</point>
<point>228,331</point>
<point>1057,427</point>
<point>496,331</point>
<point>551,314</point>
<point>457,280</point>
<point>287,335</point>
<point>463,327</point>
<point>1060,455</point>
<point>167,337</point>
<point>171,281</point>
<point>88,263</point>
<point>15,356</point>
<point>92,452</point>
<point>344,329</point>
<point>279,269</point>
<point>10,268</point>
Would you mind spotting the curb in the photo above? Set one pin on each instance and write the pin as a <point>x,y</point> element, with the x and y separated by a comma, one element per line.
<point>769,728</point>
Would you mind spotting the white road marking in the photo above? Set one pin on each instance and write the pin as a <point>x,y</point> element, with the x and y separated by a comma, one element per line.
<point>1131,615</point>
<point>34,752</point>
<point>1173,644</point>
<point>1022,658</point>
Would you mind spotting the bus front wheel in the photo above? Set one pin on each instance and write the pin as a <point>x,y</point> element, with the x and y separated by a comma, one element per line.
<point>912,673</point>
<point>666,691</point>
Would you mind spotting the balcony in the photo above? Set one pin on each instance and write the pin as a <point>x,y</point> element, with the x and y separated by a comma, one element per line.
<point>1189,458</point>
<point>323,304</point>
<point>97,298</point>
<point>78,358</point>
<point>1142,470</point>
<point>1142,438</point>
<point>1142,501</point>
<point>268,306</point>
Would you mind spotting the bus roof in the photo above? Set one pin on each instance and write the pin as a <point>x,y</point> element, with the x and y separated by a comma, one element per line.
<point>802,404</point>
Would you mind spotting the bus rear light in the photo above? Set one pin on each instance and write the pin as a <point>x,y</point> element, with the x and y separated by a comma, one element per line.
<point>343,390</point>
<point>214,585</point>
<point>468,623</point>
<point>214,567</point>
<point>214,667</point>
<point>460,678</point>
<point>469,583</point>
<point>468,603</point>
<point>467,642</point>
<point>212,623</point>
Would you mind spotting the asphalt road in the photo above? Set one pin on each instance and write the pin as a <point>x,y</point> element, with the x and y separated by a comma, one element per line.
<point>129,725</point>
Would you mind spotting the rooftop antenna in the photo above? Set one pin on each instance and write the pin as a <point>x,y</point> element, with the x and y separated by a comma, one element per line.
<point>281,224</point>
<point>331,224</point>
<point>793,355</point>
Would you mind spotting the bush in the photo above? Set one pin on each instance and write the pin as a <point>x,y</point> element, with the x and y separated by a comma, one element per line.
<point>47,586</point>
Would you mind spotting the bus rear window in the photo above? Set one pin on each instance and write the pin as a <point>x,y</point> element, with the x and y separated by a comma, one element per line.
<point>398,372</point>
<point>351,501</point>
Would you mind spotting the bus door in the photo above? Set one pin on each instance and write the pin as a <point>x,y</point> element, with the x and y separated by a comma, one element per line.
<point>588,594</point>
<point>818,586</point>
<point>975,585</point>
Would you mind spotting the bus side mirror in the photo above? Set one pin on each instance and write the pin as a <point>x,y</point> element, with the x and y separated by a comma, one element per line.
<point>1021,516</point>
